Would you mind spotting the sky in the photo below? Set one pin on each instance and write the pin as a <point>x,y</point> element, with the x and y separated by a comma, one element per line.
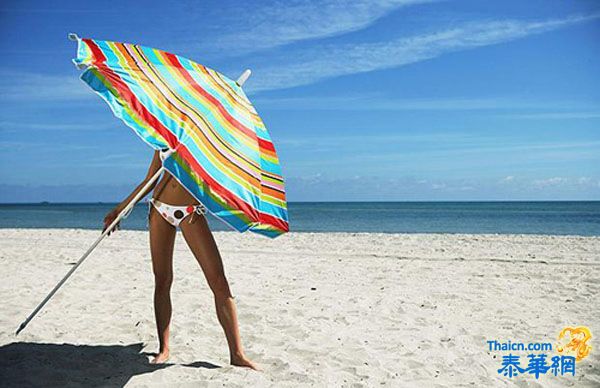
<point>391,100</point>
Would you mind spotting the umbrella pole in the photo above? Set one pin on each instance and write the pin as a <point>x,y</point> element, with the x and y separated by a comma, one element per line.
<point>91,248</point>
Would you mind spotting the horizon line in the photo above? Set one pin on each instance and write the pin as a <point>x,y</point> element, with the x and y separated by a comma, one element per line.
<point>341,201</point>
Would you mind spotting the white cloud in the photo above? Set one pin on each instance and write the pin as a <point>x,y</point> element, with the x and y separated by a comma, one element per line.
<point>16,146</point>
<point>584,180</point>
<point>571,182</point>
<point>376,139</point>
<point>10,126</point>
<point>438,143</point>
<point>554,115</point>
<point>541,183</point>
<point>271,24</point>
<point>379,101</point>
<point>25,86</point>
<point>327,61</point>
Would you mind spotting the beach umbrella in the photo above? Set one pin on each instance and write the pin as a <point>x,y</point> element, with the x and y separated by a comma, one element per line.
<point>222,152</point>
<point>218,146</point>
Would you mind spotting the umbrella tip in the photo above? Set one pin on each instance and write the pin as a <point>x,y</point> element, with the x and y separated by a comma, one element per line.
<point>72,36</point>
<point>243,78</point>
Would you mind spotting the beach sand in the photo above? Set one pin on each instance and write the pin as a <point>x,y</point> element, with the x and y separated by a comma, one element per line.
<point>315,309</point>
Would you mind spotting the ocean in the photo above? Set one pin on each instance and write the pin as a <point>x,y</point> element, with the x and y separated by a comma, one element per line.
<point>550,218</point>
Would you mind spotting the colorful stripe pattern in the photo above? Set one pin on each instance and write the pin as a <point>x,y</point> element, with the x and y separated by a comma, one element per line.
<point>223,153</point>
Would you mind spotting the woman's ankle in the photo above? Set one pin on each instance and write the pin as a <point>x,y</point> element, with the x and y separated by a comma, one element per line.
<point>161,357</point>
<point>239,354</point>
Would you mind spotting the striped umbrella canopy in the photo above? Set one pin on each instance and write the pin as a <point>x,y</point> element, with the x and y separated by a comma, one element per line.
<point>223,154</point>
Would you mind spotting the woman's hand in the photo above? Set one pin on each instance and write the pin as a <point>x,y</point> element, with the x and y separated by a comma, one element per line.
<point>110,217</point>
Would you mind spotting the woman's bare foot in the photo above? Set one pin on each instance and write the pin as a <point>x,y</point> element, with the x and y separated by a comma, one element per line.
<point>160,358</point>
<point>242,360</point>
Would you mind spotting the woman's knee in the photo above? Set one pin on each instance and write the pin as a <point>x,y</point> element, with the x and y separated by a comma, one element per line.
<point>220,286</point>
<point>163,281</point>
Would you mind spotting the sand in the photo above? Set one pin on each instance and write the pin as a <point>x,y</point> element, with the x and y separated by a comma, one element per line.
<point>315,309</point>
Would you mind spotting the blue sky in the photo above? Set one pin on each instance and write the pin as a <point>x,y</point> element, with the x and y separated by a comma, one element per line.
<point>365,100</point>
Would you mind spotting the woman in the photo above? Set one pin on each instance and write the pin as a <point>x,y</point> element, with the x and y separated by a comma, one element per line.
<point>173,206</point>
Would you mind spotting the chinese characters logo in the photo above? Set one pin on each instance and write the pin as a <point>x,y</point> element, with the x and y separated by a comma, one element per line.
<point>537,365</point>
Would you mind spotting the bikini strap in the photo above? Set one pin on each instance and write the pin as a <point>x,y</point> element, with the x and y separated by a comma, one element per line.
<point>198,209</point>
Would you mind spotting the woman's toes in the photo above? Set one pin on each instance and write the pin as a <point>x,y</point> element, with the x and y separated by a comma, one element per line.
<point>244,362</point>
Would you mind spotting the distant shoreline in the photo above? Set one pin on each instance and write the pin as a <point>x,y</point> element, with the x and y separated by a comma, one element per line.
<point>340,234</point>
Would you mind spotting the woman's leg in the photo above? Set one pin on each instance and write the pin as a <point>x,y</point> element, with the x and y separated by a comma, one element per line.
<point>200,240</point>
<point>162,241</point>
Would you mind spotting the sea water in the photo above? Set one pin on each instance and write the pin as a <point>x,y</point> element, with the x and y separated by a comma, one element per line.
<point>560,218</point>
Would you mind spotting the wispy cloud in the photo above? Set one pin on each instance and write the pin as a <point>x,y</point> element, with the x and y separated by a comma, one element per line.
<point>553,115</point>
<point>11,126</point>
<point>321,187</point>
<point>326,61</point>
<point>277,23</point>
<point>17,146</point>
<point>85,9</point>
<point>560,181</point>
<point>452,156</point>
<point>554,181</point>
<point>20,86</point>
<point>378,101</point>
<point>446,142</point>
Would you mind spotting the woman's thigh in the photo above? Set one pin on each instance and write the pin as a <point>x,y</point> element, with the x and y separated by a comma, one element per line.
<point>199,238</point>
<point>162,242</point>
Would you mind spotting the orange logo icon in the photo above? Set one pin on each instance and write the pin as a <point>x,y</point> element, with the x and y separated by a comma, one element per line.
<point>573,341</point>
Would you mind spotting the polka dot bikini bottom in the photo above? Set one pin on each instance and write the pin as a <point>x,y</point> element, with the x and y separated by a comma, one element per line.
<point>175,214</point>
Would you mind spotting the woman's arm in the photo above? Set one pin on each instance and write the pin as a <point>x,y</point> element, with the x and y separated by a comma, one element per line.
<point>155,165</point>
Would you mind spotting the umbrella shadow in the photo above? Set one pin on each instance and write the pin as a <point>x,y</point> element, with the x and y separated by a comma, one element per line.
<point>43,364</point>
